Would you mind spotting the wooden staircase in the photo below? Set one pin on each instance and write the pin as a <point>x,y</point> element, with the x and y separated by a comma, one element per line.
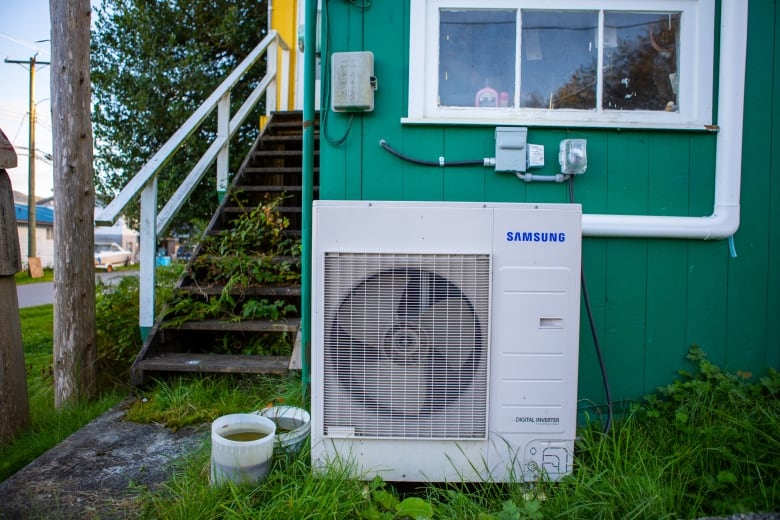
<point>267,186</point>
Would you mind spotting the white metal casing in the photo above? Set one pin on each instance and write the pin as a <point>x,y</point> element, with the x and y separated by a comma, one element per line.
<point>532,342</point>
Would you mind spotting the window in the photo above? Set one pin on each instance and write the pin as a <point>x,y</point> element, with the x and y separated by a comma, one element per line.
<point>645,63</point>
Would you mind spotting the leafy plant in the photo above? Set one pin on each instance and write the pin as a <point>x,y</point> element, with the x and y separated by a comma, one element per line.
<point>706,444</point>
<point>252,252</point>
<point>116,314</point>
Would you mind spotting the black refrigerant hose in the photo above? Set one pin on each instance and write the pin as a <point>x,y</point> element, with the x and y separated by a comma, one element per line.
<point>440,163</point>
<point>596,343</point>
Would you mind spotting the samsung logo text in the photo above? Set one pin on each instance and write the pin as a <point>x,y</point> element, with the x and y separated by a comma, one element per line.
<point>534,236</point>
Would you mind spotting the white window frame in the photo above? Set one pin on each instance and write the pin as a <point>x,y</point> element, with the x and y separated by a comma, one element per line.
<point>697,40</point>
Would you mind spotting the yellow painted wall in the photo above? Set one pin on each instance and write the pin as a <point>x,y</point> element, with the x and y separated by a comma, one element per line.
<point>283,19</point>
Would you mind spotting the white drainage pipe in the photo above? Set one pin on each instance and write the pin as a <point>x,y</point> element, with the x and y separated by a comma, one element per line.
<point>724,221</point>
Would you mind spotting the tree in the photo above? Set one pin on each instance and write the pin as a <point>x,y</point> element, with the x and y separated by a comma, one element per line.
<point>153,64</point>
<point>74,201</point>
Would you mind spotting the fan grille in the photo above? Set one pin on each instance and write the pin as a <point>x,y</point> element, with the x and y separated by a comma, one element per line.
<point>405,346</point>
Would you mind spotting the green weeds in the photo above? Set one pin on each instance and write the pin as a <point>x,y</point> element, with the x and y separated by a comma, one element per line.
<point>116,311</point>
<point>48,426</point>
<point>706,445</point>
<point>253,252</point>
<point>180,402</point>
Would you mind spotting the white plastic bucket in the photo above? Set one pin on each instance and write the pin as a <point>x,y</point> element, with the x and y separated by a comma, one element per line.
<point>292,425</point>
<point>246,458</point>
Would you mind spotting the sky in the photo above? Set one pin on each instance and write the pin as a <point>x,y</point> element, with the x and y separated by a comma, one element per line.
<point>22,25</point>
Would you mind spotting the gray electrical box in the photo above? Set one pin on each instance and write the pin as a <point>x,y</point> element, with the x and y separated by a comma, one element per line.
<point>352,82</point>
<point>511,149</point>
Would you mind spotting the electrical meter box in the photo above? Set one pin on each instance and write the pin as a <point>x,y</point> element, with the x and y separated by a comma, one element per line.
<point>352,81</point>
<point>511,149</point>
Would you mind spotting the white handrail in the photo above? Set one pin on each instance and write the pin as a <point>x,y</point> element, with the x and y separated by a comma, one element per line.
<point>145,181</point>
<point>111,212</point>
<point>184,190</point>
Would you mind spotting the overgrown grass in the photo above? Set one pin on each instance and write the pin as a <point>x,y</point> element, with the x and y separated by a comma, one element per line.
<point>185,401</point>
<point>48,426</point>
<point>709,444</point>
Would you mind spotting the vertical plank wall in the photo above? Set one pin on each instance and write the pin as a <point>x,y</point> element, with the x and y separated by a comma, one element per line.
<point>651,299</point>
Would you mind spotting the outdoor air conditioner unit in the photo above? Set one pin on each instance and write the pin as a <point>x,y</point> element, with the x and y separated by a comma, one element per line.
<point>445,339</point>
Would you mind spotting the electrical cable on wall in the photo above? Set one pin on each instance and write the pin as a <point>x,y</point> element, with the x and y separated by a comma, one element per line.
<point>326,84</point>
<point>596,343</point>
<point>441,163</point>
<point>365,4</point>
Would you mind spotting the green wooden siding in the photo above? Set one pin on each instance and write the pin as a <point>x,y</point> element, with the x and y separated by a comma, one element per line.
<point>651,298</point>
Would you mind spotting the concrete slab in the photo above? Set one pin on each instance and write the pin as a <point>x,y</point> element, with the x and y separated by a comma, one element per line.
<point>99,470</point>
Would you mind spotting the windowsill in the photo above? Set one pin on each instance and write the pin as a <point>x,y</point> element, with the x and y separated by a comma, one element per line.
<point>531,122</point>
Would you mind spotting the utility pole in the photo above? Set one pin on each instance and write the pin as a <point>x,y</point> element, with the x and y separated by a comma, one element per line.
<point>31,199</point>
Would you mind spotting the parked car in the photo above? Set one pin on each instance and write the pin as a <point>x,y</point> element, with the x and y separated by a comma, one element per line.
<point>109,255</point>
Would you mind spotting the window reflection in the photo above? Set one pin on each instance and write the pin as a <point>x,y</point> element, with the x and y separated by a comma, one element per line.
<point>477,57</point>
<point>559,57</point>
<point>640,61</point>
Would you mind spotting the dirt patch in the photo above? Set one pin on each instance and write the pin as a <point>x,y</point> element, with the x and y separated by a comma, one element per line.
<point>99,471</point>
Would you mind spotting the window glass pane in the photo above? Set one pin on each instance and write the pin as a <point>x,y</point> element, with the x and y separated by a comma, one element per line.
<point>559,59</point>
<point>641,61</point>
<point>477,57</point>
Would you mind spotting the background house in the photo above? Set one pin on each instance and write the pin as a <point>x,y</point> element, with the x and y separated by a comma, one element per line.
<point>44,229</point>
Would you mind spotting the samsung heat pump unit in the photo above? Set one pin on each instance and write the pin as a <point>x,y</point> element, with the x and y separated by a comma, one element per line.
<point>445,339</point>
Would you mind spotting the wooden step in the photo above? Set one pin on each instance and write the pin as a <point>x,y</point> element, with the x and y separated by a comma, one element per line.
<point>210,363</point>
<point>280,153</point>
<point>215,290</point>
<point>292,138</point>
<point>295,260</point>
<point>239,210</point>
<point>282,187</point>
<point>284,325</point>
<point>291,122</point>
<point>273,169</point>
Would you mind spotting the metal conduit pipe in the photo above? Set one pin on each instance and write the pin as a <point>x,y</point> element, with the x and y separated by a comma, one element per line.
<point>309,113</point>
<point>724,220</point>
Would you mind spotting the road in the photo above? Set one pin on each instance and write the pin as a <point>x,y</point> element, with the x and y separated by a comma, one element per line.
<point>42,293</point>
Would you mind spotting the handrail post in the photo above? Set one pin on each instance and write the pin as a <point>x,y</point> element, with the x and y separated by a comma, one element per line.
<point>271,68</point>
<point>148,248</point>
<point>223,135</point>
<point>284,80</point>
